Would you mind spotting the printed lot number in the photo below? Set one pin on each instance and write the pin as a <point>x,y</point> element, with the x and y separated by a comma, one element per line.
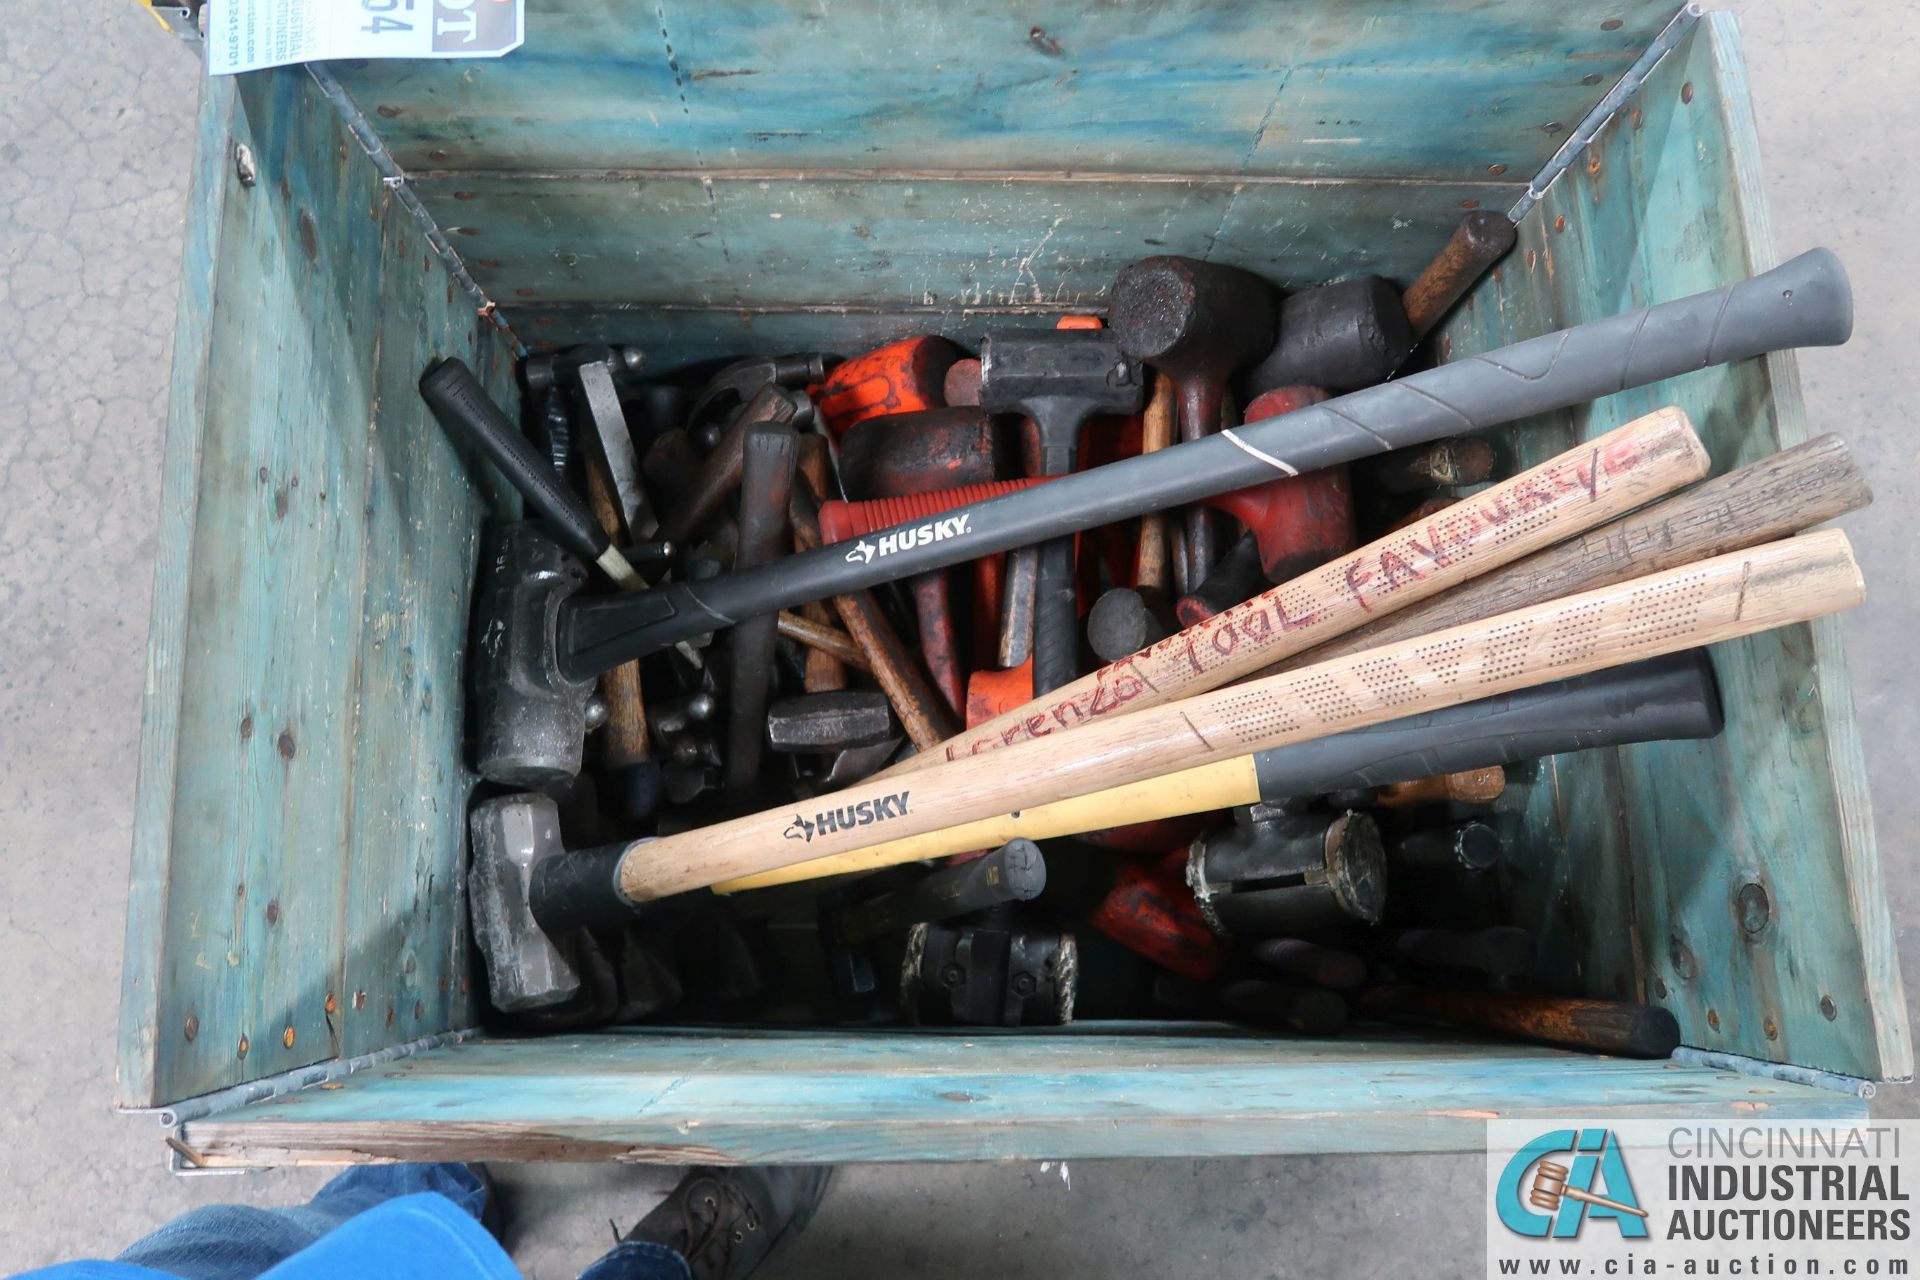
<point>378,22</point>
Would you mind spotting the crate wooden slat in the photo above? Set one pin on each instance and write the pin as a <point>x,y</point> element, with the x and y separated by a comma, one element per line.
<point>1637,863</point>
<point>299,803</point>
<point>1340,88</point>
<point>712,1098</point>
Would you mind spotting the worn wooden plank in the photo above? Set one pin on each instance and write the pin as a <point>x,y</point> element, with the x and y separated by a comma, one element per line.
<point>1442,90</point>
<point>1813,980</point>
<point>1668,203</point>
<point>403,969</point>
<point>263,744</point>
<point>300,831</point>
<point>785,243</point>
<point>141,972</point>
<point>831,1097</point>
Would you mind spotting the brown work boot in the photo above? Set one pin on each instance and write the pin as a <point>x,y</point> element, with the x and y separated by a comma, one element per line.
<point>725,1221</point>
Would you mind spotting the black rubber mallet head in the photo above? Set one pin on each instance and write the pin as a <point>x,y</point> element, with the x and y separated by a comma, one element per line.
<point>1199,323</point>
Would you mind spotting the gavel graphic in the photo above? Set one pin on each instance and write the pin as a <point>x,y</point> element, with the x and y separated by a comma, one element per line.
<point>1550,1187</point>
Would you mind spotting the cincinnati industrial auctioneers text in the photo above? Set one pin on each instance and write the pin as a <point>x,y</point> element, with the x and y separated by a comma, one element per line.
<point>1732,1188</point>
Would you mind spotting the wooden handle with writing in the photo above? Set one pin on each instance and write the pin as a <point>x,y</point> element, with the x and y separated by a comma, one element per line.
<point>1585,486</point>
<point>1775,497</point>
<point>1713,600</point>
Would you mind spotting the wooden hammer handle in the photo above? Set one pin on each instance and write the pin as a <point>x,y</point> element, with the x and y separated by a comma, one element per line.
<point>1482,239</point>
<point>1597,1026</point>
<point>923,715</point>
<point>624,741</point>
<point>1583,487</point>
<point>1156,433</point>
<point>823,638</point>
<point>1775,497</point>
<point>1713,600</point>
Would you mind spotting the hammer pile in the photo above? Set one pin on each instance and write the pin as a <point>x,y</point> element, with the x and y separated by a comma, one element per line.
<point>1216,594</point>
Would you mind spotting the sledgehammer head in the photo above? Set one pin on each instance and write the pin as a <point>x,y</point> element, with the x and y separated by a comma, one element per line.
<point>530,719</point>
<point>511,836</point>
<point>1192,320</point>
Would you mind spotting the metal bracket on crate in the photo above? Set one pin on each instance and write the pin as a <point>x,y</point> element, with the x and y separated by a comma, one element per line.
<point>186,19</point>
<point>1595,120</point>
<point>1784,1072</point>
<point>394,179</point>
<point>184,1161</point>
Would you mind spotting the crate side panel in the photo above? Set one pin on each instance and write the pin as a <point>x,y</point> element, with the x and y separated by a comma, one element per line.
<point>821,242</point>
<point>148,887</point>
<point>406,956</point>
<point>264,754</point>
<point>828,1097</point>
<point>1330,88</point>
<point>1667,203</point>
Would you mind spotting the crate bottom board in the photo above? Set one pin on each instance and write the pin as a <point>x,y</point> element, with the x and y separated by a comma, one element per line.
<point>684,1096</point>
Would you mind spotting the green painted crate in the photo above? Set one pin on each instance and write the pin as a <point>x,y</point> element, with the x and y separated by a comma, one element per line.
<point>743,178</point>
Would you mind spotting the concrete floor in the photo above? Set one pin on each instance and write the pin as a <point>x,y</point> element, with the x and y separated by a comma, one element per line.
<point>100,108</point>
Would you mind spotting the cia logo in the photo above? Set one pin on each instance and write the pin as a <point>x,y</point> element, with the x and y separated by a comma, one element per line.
<point>862,553</point>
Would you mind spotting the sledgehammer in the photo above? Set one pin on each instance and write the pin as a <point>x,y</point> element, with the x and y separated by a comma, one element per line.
<point>1805,302</point>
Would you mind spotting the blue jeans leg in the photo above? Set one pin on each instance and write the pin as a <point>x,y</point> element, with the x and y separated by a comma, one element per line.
<point>238,1242</point>
<point>639,1260</point>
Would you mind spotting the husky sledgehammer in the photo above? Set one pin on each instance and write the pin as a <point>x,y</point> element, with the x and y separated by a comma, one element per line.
<point>1804,302</point>
<point>1702,603</point>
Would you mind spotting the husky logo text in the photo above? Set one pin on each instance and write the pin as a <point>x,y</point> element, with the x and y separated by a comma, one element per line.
<point>886,544</point>
<point>863,814</point>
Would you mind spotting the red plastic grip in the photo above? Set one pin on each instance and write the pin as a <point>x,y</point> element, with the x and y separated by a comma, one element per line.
<point>842,520</point>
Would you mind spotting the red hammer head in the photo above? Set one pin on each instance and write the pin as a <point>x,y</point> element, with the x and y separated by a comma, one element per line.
<point>901,377</point>
<point>1300,522</point>
<point>910,453</point>
<point>1151,911</point>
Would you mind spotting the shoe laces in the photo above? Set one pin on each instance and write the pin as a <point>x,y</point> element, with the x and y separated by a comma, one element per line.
<point>718,1215</point>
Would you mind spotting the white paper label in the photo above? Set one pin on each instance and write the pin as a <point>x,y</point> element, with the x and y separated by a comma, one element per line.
<point>245,35</point>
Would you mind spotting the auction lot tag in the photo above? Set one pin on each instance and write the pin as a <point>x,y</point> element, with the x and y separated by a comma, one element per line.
<point>1765,1196</point>
<point>245,35</point>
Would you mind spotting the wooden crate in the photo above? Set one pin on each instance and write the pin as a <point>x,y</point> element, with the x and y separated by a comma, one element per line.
<point>785,176</point>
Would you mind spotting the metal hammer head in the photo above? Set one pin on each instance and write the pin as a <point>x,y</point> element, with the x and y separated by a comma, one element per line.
<point>1192,319</point>
<point>525,889</point>
<point>530,718</point>
<point>1059,379</point>
<point>743,378</point>
<point>543,371</point>
<point>1275,873</point>
<point>1083,367</point>
<point>510,836</point>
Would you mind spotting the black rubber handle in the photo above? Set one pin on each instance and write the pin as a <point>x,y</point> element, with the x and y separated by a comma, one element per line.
<point>1660,699</point>
<point>468,413</point>
<point>1056,628</point>
<point>580,889</point>
<point>1805,302</point>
